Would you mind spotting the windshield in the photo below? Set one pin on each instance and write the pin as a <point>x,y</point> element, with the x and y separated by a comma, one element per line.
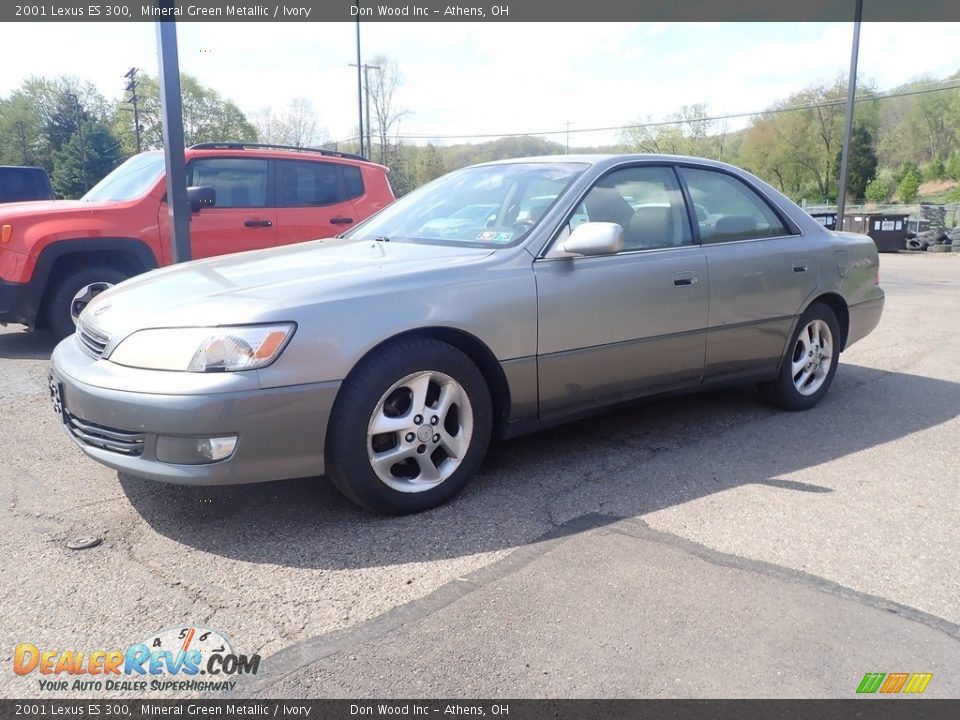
<point>488,206</point>
<point>129,181</point>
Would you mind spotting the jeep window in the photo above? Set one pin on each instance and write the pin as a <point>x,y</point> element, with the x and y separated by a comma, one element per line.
<point>129,181</point>
<point>305,184</point>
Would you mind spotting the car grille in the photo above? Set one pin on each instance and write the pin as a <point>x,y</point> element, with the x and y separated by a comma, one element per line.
<point>92,341</point>
<point>118,441</point>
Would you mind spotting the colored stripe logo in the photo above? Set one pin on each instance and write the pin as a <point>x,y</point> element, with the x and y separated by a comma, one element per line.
<point>914,683</point>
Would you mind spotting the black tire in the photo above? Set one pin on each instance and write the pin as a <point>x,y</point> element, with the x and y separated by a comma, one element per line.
<point>782,392</point>
<point>58,307</point>
<point>347,462</point>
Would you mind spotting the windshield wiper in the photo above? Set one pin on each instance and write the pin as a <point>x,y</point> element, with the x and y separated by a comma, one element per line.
<point>381,238</point>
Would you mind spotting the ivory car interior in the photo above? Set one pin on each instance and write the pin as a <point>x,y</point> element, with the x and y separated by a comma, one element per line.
<point>389,358</point>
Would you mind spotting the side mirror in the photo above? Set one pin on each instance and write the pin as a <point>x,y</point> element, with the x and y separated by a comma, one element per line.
<point>595,238</point>
<point>201,197</point>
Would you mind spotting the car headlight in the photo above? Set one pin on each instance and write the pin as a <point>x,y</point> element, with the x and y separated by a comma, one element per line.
<point>219,349</point>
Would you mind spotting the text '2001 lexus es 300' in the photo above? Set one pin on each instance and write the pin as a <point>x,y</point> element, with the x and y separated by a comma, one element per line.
<point>388,359</point>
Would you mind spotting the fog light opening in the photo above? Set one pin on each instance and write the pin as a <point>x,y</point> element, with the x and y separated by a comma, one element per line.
<point>179,450</point>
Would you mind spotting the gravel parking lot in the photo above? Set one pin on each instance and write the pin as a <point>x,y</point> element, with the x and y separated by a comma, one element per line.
<point>624,555</point>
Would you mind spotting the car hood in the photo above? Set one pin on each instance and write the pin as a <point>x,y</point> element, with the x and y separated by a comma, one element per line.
<point>48,208</point>
<point>266,284</point>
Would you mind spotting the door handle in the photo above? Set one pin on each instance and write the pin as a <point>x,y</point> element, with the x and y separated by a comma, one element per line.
<point>341,221</point>
<point>684,279</point>
<point>258,223</point>
<point>800,266</point>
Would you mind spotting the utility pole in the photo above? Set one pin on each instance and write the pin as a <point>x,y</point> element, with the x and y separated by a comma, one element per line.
<point>359,84</point>
<point>366,90</point>
<point>171,107</point>
<point>848,123</point>
<point>131,75</point>
<point>568,136</point>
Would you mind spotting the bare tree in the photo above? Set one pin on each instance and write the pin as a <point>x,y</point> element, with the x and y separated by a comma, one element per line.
<point>384,81</point>
<point>296,125</point>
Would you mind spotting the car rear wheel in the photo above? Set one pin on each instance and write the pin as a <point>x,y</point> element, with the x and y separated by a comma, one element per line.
<point>74,291</point>
<point>410,426</point>
<point>808,368</point>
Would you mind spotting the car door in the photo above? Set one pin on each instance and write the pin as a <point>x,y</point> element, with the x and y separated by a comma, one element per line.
<point>242,218</point>
<point>761,273</point>
<point>618,326</point>
<point>314,199</point>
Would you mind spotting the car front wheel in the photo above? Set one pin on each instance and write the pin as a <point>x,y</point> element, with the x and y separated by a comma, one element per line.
<point>409,428</point>
<point>811,361</point>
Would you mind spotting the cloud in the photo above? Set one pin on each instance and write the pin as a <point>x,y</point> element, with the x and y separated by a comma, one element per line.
<point>463,78</point>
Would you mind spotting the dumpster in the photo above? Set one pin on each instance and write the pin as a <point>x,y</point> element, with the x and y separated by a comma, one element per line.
<point>888,230</point>
<point>827,219</point>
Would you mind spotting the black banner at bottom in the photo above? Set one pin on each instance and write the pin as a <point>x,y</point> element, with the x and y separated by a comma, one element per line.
<point>867,708</point>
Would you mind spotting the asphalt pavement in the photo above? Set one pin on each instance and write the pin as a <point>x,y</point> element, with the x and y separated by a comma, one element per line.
<point>699,546</point>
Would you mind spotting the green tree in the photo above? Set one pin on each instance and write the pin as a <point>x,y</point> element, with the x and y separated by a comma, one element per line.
<point>40,116</point>
<point>909,186</point>
<point>862,163</point>
<point>430,164</point>
<point>882,187</point>
<point>952,168</point>
<point>84,159</point>
<point>689,131</point>
<point>935,170</point>
<point>207,116</point>
<point>21,132</point>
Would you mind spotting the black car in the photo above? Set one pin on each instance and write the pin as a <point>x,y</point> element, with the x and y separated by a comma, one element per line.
<point>18,184</point>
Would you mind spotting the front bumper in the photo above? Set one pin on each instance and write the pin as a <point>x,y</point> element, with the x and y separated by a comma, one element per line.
<point>280,431</point>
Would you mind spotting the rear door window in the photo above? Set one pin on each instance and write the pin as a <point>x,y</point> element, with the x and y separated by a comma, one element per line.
<point>307,184</point>
<point>727,209</point>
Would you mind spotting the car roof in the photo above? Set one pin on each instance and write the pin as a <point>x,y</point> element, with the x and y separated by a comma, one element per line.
<point>609,159</point>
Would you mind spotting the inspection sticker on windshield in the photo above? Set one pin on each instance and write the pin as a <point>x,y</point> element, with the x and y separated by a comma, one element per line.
<point>493,236</point>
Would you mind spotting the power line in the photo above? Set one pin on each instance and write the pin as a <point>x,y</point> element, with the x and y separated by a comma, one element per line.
<point>663,123</point>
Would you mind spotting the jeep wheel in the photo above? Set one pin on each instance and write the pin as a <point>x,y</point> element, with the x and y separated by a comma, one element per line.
<point>60,306</point>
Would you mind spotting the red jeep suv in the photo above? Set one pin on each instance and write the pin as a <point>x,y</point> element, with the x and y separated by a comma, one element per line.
<point>264,195</point>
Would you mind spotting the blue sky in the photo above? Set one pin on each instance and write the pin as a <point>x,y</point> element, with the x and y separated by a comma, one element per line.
<point>464,78</point>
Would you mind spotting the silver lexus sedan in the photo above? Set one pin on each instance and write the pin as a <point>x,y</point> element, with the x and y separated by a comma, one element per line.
<point>389,361</point>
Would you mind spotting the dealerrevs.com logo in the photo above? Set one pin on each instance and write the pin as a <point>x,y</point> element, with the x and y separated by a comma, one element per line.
<point>181,659</point>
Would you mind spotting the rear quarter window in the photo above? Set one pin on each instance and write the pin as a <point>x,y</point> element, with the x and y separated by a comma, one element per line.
<point>353,182</point>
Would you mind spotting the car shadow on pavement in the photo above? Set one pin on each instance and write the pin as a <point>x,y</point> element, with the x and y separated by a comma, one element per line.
<point>24,345</point>
<point>624,463</point>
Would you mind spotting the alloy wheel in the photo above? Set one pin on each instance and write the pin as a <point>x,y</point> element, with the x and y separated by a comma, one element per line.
<point>812,357</point>
<point>420,431</point>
